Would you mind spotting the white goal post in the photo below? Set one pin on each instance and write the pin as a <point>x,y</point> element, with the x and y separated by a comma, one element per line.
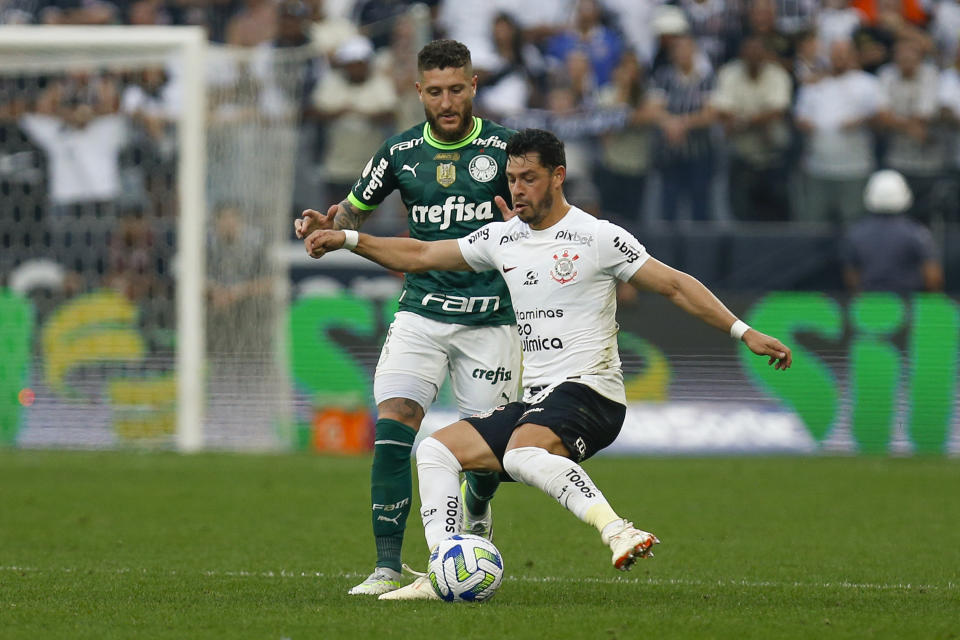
<point>57,48</point>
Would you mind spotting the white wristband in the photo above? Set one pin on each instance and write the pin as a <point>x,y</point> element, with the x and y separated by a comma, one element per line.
<point>738,328</point>
<point>351,240</point>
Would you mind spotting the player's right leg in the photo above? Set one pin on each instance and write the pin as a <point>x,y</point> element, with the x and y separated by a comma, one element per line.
<point>485,365</point>
<point>408,377</point>
<point>441,504</point>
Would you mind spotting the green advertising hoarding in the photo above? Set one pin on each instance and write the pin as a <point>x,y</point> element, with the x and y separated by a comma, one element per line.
<point>873,374</point>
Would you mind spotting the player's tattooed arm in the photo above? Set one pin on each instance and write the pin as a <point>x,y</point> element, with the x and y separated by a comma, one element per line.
<point>349,217</point>
<point>338,217</point>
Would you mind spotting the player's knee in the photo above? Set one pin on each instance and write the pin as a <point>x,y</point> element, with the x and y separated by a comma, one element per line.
<point>517,461</point>
<point>434,453</point>
<point>402,410</point>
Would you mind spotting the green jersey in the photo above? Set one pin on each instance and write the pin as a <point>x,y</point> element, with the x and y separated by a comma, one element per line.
<point>448,190</point>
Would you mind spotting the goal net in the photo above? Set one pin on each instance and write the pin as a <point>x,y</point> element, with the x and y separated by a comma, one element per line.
<point>146,181</point>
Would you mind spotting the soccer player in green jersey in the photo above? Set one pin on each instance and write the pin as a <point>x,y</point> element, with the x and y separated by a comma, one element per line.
<point>448,170</point>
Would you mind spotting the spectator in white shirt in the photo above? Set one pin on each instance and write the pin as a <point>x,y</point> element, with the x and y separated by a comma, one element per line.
<point>915,144</point>
<point>752,99</point>
<point>836,115</point>
<point>76,124</point>
<point>82,141</point>
<point>356,103</point>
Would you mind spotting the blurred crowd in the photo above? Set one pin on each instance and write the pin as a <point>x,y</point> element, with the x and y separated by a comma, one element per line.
<point>690,112</point>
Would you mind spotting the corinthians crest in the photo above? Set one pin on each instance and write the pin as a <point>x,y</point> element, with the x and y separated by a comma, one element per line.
<point>446,173</point>
<point>565,269</point>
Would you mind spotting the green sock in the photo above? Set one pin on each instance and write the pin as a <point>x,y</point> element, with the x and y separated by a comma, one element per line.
<point>481,485</point>
<point>391,486</point>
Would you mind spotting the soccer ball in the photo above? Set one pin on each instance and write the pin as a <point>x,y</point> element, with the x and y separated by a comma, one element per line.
<point>465,568</point>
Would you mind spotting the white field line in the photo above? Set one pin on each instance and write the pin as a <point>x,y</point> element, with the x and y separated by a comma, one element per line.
<point>283,573</point>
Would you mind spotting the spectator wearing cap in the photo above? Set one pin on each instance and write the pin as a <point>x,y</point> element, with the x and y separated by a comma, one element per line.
<point>669,23</point>
<point>355,103</point>
<point>327,30</point>
<point>886,250</point>
<point>836,116</point>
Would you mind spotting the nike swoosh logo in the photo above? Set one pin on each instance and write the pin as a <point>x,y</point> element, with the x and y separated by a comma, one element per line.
<point>507,269</point>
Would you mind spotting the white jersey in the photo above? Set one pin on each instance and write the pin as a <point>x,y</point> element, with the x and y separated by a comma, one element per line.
<point>563,284</point>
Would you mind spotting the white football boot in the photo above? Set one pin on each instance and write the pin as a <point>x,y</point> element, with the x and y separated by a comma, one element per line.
<point>419,589</point>
<point>628,544</point>
<point>382,580</point>
<point>482,526</point>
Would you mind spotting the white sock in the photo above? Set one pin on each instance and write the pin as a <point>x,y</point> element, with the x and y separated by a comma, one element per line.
<point>563,479</point>
<point>438,471</point>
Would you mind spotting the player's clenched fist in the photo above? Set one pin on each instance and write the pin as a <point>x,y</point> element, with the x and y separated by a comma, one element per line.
<point>320,242</point>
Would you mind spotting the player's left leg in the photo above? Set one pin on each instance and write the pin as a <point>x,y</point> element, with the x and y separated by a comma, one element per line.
<point>555,474</point>
<point>568,424</point>
<point>484,373</point>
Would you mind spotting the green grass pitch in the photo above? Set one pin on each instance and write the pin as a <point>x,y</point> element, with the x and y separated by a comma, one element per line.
<point>121,545</point>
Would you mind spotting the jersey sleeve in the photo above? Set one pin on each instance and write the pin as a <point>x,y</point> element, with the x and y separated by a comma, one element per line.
<point>478,247</point>
<point>620,254</point>
<point>376,182</point>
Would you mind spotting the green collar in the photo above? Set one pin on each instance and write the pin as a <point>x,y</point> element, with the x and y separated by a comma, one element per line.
<point>473,135</point>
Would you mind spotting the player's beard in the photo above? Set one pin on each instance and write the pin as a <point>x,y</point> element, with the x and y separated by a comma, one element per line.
<point>466,122</point>
<point>536,212</point>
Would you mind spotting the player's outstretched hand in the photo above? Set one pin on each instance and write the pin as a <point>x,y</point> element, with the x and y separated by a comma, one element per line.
<point>764,345</point>
<point>504,209</point>
<point>322,241</point>
<point>311,220</point>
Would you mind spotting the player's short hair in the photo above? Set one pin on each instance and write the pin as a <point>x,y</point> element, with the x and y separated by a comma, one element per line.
<point>441,54</point>
<point>549,146</point>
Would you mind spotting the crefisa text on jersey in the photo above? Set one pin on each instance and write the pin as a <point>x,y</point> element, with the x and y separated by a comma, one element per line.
<point>497,375</point>
<point>376,180</point>
<point>455,208</point>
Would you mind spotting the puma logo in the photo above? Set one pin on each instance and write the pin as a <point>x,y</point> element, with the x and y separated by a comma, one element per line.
<point>412,169</point>
<point>395,520</point>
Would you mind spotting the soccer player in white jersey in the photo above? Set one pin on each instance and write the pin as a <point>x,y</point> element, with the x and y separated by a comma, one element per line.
<point>561,266</point>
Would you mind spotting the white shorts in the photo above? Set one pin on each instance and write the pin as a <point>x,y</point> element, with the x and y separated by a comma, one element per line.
<point>483,363</point>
